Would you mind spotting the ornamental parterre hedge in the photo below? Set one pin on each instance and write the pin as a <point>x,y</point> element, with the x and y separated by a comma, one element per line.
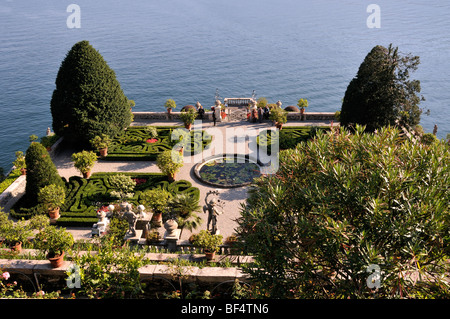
<point>85,196</point>
<point>289,136</point>
<point>135,144</point>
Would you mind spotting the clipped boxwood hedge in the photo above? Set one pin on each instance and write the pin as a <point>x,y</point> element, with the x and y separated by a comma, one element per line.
<point>289,136</point>
<point>85,196</point>
<point>132,144</point>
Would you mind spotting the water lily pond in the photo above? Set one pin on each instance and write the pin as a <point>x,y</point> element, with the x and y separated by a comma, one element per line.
<point>228,171</point>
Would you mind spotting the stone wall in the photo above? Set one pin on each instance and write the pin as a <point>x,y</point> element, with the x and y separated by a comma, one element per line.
<point>175,116</point>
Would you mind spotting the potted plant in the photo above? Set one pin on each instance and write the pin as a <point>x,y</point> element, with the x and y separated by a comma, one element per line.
<point>84,161</point>
<point>157,200</point>
<point>302,103</point>
<point>170,162</point>
<point>209,242</point>
<point>188,117</point>
<point>52,197</point>
<point>184,207</point>
<point>54,241</point>
<point>169,105</point>
<point>101,143</point>
<point>19,163</point>
<point>15,233</point>
<point>279,117</point>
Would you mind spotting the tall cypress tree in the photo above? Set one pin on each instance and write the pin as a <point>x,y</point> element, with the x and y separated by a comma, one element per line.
<point>88,99</point>
<point>40,171</point>
<point>381,93</point>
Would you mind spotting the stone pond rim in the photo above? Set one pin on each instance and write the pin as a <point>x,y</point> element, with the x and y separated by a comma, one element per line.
<point>247,158</point>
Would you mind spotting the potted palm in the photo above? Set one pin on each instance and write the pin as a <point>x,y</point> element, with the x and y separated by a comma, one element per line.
<point>84,161</point>
<point>52,197</point>
<point>188,117</point>
<point>170,162</point>
<point>19,163</point>
<point>209,242</point>
<point>302,103</point>
<point>101,143</point>
<point>184,207</point>
<point>169,105</point>
<point>54,241</point>
<point>157,200</point>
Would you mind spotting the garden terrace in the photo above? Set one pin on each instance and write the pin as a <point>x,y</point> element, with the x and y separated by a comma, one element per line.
<point>135,143</point>
<point>85,196</point>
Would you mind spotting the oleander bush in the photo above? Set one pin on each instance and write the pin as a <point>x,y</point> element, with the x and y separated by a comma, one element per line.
<point>85,196</point>
<point>138,143</point>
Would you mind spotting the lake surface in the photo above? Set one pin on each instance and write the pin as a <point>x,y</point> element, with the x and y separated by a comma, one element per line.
<point>186,49</point>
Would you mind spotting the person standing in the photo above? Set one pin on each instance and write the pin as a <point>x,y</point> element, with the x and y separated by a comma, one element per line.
<point>214,116</point>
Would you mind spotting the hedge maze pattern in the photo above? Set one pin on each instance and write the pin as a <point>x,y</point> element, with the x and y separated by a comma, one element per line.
<point>85,196</point>
<point>133,143</point>
<point>288,137</point>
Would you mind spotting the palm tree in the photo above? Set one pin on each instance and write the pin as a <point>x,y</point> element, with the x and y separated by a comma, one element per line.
<point>184,207</point>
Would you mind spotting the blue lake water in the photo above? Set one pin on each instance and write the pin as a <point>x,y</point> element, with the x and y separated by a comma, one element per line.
<point>186,49</point>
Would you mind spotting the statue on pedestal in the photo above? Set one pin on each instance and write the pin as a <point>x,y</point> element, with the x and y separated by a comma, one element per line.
<point>131,218</point>
<point>214,208</point>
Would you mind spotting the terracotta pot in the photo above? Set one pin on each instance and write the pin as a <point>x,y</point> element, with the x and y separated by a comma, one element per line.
<point>188,126</point>
<point>157,219</point>
<point>87,174</point>
<point>210,254</point>
<point>169,111</point>
<point>172,177</point>
<point>54,213</point>
<point>103,152</point>
<point>223,114</point>
<point>17,247</point>
<point>23,171</point>
<point>56,261</point>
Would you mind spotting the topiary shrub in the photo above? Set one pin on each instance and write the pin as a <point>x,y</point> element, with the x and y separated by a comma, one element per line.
<point>41,172</point>
<point>88,100</point>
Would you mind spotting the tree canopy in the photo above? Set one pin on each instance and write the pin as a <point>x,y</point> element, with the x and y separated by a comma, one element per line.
<point>88,100</point>
<point>342,203</point>
<point>382,93</point>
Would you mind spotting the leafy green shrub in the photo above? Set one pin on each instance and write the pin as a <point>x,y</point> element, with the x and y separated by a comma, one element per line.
<point>343,202</point>
<point>54,240</point>
<point>208,241</point>
<point>52,196</point>
<point>41,172</point>
<point>122,185</point>
<point>169,162</point>
<point>84,161</point>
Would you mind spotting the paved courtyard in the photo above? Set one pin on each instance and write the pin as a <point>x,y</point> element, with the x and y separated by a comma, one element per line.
<point>224,141</point>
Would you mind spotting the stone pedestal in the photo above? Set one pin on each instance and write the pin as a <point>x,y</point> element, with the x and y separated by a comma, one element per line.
<point>134,240</point>
<point>172,234</point>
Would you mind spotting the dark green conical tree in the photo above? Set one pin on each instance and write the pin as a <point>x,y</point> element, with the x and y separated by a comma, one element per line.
<point>382,93</point>
<point>40,171</point>
<point>88,99</point>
